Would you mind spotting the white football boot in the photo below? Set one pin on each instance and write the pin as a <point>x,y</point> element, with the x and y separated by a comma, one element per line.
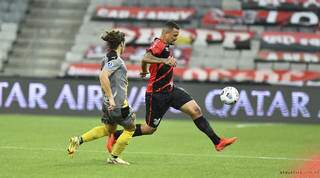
<point>119,161</point>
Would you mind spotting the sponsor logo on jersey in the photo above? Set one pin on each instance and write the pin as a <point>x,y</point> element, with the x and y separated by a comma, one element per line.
<point>109,64</point>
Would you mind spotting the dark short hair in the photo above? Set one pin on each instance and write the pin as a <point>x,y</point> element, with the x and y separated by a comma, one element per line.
<point>172,25</point>
<point>113,38</point>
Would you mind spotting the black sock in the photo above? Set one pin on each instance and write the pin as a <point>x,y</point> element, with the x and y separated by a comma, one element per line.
<point>81,140</point>
<point>137,132</point>
<point>205,127</point>
<point>115,157</point>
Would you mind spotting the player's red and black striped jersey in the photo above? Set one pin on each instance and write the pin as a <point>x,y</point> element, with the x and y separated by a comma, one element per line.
<point>161,75</point>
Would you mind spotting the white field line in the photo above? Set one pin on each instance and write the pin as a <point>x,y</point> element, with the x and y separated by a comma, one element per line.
<point>165,154</point>
<point>256,125</point>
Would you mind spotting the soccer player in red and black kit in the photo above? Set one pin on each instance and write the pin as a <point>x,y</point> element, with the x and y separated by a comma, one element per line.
<point>162,93</point>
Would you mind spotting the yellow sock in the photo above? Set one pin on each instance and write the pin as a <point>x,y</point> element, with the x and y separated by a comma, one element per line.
<point>122,142</point>
<point>95,133</point>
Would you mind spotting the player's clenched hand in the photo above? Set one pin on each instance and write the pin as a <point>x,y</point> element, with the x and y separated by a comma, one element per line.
<point>112,104</point>
<point>171,61</point>
<point>143,74</point>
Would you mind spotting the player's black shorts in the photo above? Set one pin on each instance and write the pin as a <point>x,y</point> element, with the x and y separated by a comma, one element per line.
<point>157,104</point>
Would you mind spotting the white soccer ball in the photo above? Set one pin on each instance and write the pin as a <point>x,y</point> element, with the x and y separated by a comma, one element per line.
<point>229,95</point>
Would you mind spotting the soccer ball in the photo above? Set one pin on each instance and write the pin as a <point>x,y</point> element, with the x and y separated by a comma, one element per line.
<point>229,95</point>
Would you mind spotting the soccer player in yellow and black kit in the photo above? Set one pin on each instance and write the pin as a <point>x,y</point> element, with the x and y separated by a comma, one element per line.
<point>161,93</point>
<point>116,110</point>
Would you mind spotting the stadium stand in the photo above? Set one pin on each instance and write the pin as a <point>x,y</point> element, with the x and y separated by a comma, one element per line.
<point>12,13</point>
<point>46,34</point>
<point>228,35</point>
<point>87,35</point>
<point>90,30</point>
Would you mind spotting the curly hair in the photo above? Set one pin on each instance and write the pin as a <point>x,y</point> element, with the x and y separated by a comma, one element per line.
<point>113,38</point>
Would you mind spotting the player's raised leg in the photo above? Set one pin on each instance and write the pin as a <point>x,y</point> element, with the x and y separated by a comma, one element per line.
<point>194,111</point>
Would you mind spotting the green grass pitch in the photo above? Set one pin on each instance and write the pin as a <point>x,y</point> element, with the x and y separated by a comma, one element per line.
<point>35,146</point>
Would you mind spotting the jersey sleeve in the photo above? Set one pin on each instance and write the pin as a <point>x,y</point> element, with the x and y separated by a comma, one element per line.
<point>156,47</point>
<point>112,65</point>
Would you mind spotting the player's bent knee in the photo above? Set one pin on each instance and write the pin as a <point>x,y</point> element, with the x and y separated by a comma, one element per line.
<point>147,130</point>
<point>197,110</point>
